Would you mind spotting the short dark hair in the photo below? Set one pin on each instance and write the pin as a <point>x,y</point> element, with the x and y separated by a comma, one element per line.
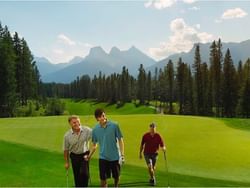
<point>98,112</point>
<point>152,125</point>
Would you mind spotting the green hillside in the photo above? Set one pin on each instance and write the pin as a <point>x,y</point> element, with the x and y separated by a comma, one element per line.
<point>201,151</point>
<point>87,107</point>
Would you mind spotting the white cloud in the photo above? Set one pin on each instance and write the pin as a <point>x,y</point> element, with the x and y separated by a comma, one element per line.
<point>234,13</point>
<point>58,51</point>
<point>189,1</point>
<point>198,26</point>
<point>66,40</point>
<point>182,40</point>
<point>64,49</point>
<point>194,8</point>
<point>161,4</point>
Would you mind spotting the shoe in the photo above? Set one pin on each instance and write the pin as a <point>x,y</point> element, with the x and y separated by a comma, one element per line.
<point>152,182</point>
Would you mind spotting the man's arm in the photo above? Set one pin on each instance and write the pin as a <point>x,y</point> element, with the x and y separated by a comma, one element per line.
<point>162,144</point>
<point>92,151</point>
<point>141,149</point>
<point>121,146</point>
<point>66,159</point>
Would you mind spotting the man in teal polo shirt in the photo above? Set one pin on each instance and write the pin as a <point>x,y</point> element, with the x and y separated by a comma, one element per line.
<point>107,134</point>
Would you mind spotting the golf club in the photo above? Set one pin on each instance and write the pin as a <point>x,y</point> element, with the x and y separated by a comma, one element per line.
<point>67,176</point>
<point>89,175</point>
<point>166,167</point>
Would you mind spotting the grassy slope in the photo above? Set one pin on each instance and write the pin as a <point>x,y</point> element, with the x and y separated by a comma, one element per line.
<point>87,108</point>
<point>23,166</point>
<point>198,147</point>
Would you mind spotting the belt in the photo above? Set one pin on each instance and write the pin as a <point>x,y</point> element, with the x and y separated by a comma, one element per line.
<point>80,155</point>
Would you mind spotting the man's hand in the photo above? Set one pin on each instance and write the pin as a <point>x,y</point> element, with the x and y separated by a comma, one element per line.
<point>140,156</point>
<point>86,157</point>
<point>66,165</point>
<point>121,160</point>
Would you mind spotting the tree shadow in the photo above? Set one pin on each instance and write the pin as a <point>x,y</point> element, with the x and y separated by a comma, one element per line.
<point>236,123</point>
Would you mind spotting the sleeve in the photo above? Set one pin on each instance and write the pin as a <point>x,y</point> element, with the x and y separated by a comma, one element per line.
<point>65,143</point>
<point>94,137</point>
<point>161,141</point>
<point>118,133</point>
<point>143,140</point>
<point>89,133</point>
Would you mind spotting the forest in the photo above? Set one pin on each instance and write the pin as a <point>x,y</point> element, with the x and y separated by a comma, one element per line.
<point>216,88</point>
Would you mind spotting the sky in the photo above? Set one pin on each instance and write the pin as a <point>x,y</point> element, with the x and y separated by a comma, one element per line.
<point>61,30</point>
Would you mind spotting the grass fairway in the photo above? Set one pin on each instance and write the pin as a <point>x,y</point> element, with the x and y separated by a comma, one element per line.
<point>87,107</point>
<point>201,151</point>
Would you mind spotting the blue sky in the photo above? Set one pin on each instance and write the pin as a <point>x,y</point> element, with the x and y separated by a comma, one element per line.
<point>60,30</point>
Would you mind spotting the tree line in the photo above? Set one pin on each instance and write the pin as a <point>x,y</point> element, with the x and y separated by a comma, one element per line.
<point>20,79</point>
<point>216,89</point>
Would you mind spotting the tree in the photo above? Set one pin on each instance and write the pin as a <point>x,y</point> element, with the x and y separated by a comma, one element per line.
<point>216,75</point>
<point>199,94</point>
<point>245,91</point>
<point>148,87</point>
<point>206,86</point>
<point>245,99</point>
<point>7,74</point>
<point>125,85</point>
<point>170,85</point>
<point>141,85</point>
<point>180,85</point>
<point>229,86</point>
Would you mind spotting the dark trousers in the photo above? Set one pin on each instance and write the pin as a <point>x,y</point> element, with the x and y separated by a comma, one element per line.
<point>80,169</point>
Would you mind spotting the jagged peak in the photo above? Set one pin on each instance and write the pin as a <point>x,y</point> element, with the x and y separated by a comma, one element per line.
<point>97,50</point>
<point>114,50</point>
<point>133,48</point>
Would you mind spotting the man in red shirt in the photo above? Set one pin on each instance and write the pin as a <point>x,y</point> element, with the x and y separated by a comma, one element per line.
<point>150,145</point>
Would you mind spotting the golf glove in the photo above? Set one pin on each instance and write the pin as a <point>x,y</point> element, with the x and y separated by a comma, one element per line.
<point>121,160</point>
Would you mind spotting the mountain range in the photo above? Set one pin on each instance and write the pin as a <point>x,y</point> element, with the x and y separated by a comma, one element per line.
<point>239,51</point>
<point>98,60</point>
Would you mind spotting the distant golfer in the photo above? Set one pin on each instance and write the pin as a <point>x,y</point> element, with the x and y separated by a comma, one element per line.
<point>107,134</point>
<point>76,146</point>
<point>150,145</point>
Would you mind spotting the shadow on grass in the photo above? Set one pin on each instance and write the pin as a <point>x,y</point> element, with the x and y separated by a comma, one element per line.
<point>24,166</point>
<point>236,123</point>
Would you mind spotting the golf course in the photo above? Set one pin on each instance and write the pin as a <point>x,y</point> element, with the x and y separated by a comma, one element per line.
<point>201,151</point>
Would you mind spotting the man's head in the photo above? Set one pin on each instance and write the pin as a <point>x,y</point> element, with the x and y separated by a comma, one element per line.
<point>74,122</point>
<point>152,127</point>
<point>100,116</point>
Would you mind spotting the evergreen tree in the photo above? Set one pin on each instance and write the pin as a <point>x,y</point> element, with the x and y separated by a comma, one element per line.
<point>240,75</point>
<point>245,90</point>
<point>170,85</point>
<point>124,85</point>
<point>141,85</point>
<point>189,104</point>
<point>216,75</point>
<point>207,103</point>
<point>245,99</point>
<point>7,74</point>
<point>199,94</point>
<point>229,86</point>
<point>148,87</point>
<point>180,85</point>
<point>155,87</point>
